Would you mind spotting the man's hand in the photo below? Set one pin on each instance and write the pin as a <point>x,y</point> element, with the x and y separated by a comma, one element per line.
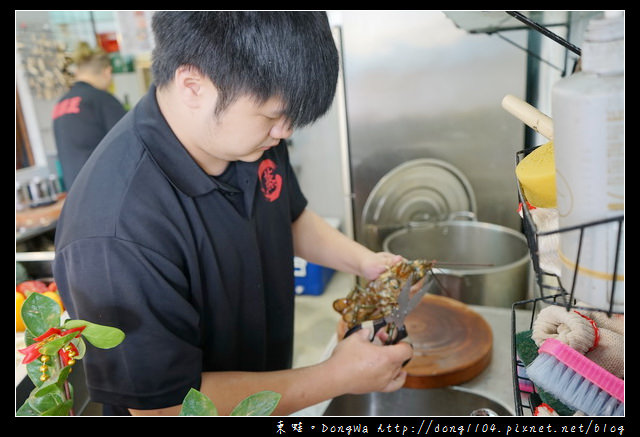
<point>376,263</point>
<point>365,367</point>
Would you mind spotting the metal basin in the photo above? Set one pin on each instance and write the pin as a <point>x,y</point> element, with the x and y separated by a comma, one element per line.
<point>492,261</point>
<point>447,401</point>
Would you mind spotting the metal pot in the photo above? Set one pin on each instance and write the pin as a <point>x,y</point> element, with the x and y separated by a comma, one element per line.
<point>491,261</point>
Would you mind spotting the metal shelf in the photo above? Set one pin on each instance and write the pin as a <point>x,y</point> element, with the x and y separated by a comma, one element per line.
<point>551,292</point>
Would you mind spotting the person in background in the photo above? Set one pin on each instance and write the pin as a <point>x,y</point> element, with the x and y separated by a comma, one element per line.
<point>84,115</point>
<point>182,227</point>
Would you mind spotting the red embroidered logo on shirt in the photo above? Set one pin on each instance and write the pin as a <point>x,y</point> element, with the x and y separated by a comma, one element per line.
<point>270,181</point>
<point>67,106</point>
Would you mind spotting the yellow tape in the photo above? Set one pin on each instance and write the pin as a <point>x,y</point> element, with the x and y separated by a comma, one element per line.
<point>589,272</point>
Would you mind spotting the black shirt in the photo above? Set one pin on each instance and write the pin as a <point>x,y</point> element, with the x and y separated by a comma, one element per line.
<point>197,272</point>
<point>81,118</point>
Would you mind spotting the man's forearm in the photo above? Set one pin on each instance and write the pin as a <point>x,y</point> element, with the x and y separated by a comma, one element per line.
<point>299,388</point>
<point>318,242</point>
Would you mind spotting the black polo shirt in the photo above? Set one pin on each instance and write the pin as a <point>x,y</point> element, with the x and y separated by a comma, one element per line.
<point>196,270</point>
<point>81,118</point>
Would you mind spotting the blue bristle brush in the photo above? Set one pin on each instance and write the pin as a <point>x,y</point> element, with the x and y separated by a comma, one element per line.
<point>576,381</point>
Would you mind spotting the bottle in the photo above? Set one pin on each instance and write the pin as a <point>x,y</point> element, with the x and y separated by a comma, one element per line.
<point>588,114</point>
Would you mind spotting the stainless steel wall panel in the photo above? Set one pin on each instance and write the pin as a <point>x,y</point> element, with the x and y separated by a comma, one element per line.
<point>417,86</point>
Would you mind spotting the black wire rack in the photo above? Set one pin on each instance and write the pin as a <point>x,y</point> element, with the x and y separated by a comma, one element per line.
<point>525,394</point>
<point>550,284</point>
<point>550,291</point>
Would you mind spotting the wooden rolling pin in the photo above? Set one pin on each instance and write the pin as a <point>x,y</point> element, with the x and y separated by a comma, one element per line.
<point>529,115</point>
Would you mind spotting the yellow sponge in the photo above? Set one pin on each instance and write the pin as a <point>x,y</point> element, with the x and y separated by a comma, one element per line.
<point>537,176</point>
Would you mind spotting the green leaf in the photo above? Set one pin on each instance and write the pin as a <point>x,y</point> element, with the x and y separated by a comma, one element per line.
<point>103,337</point>
<point>197,404</point>
<point>26,410</point>
<point>81,346</point>
<point>46,402</point>
<point>33,371</point>
<point>60,409</point>
<point>40,313</point>
<point>258,404</point>
<point>52,347</point>
<point>28,338</point>
<point>54,382</point>
<point>47,387</point>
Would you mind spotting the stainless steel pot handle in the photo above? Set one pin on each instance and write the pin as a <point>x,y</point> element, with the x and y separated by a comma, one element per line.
<point>425,220</point>
<point>462,215</point>
<point>454,216</point>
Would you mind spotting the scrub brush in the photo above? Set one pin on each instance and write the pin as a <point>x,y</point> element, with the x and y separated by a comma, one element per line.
<point>577,381</point>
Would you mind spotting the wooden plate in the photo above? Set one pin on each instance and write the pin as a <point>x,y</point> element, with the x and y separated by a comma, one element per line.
<point>452,343</point>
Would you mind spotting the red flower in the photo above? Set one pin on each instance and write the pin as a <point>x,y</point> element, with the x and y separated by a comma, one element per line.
<point>68,353</point>
<point>47,334</point>
<point>31,352</point>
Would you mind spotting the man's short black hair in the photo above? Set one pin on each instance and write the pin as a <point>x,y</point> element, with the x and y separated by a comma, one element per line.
<point>290,55</point>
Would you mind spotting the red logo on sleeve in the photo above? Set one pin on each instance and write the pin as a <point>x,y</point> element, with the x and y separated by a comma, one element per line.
<point>67,106</point>
<point>270,181</point>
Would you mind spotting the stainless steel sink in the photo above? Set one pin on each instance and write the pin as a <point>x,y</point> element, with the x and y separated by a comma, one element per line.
<point>449,401</point>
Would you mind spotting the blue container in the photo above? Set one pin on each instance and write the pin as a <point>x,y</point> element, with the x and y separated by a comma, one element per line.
<point>310,278</point>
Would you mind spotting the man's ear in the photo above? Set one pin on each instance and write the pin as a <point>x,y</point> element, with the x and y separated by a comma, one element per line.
<point>191,85</point>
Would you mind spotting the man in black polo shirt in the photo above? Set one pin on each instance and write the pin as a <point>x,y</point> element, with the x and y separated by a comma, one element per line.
<point>182,226</point>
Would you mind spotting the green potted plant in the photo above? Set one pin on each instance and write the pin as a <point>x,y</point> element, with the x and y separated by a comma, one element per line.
<point>53,347</point>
